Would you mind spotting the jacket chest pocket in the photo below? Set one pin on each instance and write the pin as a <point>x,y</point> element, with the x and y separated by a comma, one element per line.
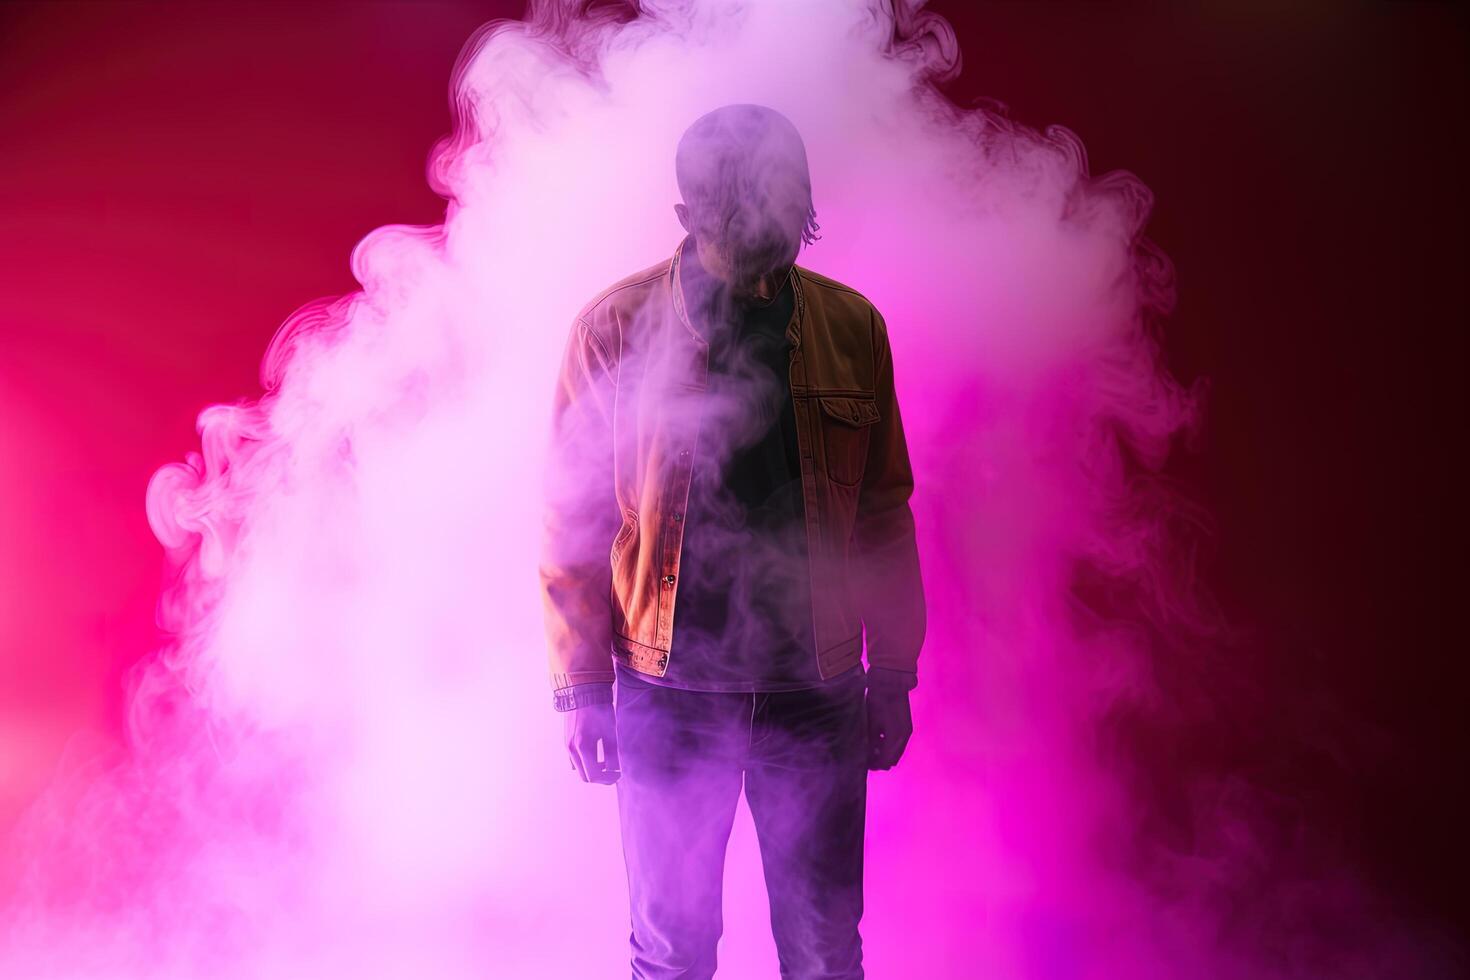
<point>847,425</point>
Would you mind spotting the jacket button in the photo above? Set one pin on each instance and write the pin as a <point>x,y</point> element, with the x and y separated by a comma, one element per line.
<point>668,580</point>
<point>678,517</point>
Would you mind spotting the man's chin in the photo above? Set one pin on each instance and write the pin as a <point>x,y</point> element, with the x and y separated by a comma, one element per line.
<point>762,285</point>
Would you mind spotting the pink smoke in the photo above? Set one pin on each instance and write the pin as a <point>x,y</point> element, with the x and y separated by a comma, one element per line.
<point>346,762</point>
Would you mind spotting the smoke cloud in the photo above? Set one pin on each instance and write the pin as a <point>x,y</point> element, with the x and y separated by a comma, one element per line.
<point>346,762</point>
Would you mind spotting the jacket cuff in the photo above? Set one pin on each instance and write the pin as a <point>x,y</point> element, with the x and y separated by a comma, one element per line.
<point>888,680</point>
<point>581,695</point>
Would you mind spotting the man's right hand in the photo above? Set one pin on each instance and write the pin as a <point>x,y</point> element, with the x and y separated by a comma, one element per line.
<point>585,728</point>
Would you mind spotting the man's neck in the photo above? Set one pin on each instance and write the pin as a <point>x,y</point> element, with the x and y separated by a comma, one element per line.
<point>765,290</point>
<point>708,290</point>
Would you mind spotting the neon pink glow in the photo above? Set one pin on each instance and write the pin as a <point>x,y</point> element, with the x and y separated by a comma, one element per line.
<point>346,765</point>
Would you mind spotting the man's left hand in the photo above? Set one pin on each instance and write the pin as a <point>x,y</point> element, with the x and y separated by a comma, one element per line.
<point>889,726</point>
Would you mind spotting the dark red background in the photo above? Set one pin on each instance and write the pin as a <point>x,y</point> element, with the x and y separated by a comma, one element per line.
<point>176,178</point>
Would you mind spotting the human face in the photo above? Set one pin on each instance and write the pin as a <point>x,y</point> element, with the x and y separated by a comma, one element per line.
<point>746,247</point>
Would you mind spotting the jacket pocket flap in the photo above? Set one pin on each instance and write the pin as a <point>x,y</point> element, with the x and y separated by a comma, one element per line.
<point>853,411</point>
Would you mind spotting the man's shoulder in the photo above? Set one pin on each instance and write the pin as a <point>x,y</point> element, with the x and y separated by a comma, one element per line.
<point>840,305</point>
<point>629,292</point>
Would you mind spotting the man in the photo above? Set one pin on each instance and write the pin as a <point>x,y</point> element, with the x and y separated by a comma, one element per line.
<point>727,522</point>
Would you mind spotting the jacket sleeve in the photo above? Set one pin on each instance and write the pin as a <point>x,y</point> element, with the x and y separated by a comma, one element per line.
<point>580,515</point>
<point>890,590</point>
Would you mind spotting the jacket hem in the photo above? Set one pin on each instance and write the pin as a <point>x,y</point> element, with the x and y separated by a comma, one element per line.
<point>651,660</point>
<point>575,677</point>
<point>640,656</point>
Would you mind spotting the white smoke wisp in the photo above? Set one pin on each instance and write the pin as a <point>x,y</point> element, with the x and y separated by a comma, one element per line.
<point>347,762</point>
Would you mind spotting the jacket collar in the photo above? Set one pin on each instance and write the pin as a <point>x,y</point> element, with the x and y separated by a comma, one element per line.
<point>793,329</point>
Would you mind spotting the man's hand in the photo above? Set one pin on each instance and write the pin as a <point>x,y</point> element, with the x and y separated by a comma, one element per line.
<point>585,727</point>
<point>889,726</point>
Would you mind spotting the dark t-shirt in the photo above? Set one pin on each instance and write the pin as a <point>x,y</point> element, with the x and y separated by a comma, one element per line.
<point>743,618</point>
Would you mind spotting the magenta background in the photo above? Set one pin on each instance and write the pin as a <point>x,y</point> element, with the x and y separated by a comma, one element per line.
<point>1303,165</point>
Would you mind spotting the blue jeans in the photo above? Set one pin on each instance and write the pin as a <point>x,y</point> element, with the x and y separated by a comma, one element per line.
<point>802,758</point>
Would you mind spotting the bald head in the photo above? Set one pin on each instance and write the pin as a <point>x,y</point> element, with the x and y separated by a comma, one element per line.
<point>742,173</point>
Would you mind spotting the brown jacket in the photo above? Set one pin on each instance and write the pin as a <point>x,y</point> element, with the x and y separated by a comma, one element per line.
<point>626,424</point>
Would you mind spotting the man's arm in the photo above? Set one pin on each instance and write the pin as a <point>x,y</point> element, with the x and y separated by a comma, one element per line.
<point>889,587</point>
<point>580,521</point>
